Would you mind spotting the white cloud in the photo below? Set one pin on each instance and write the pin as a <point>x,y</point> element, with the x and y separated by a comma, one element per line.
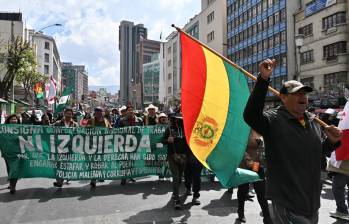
<point>90,28</point>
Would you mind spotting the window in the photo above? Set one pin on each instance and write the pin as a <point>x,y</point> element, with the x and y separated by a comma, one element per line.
<point>333,20</point>
<point>283,15</point>
<point>169,76</point>
<point>47,57</point>
<point>283,36</point>
<point>46,69</point>
<point>169,90</point>
<point>265,24</point>
<point>284,60</point>
<point>260,46</point>
<point>276,39</point>
<point>270,3</point>
<point>335,80</point>
<point>265,44</point>
<point>308,81</point>
<point>270,21</point>
<point>209,2</point>
<point>210,36</point>
<point>265,5</point>
<point>307,57</point>
<point>271,42</point>
<point>210,17</point>
<point>47,45</point>
<point>254,11</point>
<point>169,50</point>
<point>331,51</point>
<point>260,27</point>
<point>276,18</point>
<point>259,8</point>
<point>169,63</point>
<point>306,30</point>
<point>255,49</point>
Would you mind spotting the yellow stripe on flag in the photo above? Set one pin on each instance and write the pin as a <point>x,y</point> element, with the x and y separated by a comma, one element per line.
<point>213,114</point>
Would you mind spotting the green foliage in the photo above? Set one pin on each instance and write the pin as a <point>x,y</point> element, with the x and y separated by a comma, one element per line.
<point>26,73</point>
<point>20,64</point>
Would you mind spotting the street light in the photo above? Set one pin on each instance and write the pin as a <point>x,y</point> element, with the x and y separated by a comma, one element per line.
<point>299,43</point>
<point>56,24</point>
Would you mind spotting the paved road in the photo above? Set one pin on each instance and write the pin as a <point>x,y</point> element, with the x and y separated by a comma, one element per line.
<point>146,201</point>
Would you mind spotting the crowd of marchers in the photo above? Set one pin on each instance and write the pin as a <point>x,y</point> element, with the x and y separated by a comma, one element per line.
<point>287,148</point>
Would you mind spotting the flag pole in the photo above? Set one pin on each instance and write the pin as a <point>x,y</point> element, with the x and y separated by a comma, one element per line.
<point>246,73</point>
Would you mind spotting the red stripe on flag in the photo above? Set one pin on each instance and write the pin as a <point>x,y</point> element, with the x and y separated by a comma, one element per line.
<point>193,68</point>
<point>342,153</point>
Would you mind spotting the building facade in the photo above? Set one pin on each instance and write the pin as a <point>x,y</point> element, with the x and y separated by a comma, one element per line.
<point>145,51</point>
<point>129,36</point>
<point>323,58</point>
<point>151,73</point>
<point>47,56</point>
<point>260,29</point>
<point>11,27</point>
<point>209,26</point>
<point>75,77</point>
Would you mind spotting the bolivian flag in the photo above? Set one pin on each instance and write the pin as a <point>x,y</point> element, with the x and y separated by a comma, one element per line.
<point>38,90</point>
<point>214,95</point>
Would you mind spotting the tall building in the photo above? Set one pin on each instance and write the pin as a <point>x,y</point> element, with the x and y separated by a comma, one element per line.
<point>322,57</point>
<point>260,29</point>
<point>47,56</point>
<point>145,51</point>
<point>129,36</point>
<point>209,26</point>
<point>151,72</point>
<point>76,78</point>
<point>11,27</point>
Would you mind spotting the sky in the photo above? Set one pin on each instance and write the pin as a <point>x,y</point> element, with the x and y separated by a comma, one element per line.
<point>89,34</point>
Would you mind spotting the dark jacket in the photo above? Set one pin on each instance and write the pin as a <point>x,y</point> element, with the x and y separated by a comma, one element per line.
<point>125,122</point>
<point>293,153</point>
<point>180,144</point>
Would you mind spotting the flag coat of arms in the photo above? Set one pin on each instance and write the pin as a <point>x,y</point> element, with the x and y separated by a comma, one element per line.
<point>214,95</point>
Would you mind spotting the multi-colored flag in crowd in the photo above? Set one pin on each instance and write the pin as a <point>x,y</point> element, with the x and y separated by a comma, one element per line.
<point>63,100</point>
<point>51,89</point>
<point>342,153</point>
<point>38,90</point>
<point>214,94</point>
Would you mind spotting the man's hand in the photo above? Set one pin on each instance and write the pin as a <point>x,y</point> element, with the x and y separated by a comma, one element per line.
<point>170,140</point>
<point>333,133</point>
<point>266,67</point>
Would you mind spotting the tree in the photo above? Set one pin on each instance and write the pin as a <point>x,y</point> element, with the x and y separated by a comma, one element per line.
<point>19,61</point>
<point>27,74</point>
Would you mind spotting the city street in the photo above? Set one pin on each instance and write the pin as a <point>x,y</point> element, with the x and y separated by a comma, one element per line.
<point>146,201</point>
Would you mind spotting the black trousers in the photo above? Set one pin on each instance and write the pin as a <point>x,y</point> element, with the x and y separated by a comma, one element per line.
<point>259,188</point>
<point>192,175</point>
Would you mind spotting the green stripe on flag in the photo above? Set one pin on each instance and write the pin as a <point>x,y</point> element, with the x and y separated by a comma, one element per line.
<point>233,142</point>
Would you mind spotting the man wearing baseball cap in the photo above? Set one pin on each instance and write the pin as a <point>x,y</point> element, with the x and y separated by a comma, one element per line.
<point>293,148</point>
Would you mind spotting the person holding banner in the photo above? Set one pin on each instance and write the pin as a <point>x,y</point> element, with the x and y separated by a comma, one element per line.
<point>11,119</point>
<point>67,122</point>
<point>150,118</point>
<point>293,148</point>
<point>98,121</point>
<point>130,119</point>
